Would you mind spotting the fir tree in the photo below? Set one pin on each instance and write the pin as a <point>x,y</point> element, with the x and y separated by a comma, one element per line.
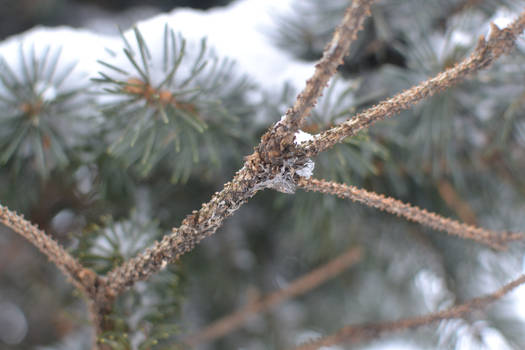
<point>115,165</point>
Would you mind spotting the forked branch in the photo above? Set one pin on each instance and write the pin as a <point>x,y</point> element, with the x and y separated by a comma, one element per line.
<point>274,156</point>
<point>359,333</point>
<point>300,286</point>
<point>258,168</point>
<point>333,55</point>
<point>81,277</point>
<point>500,41</point>
<point>493,239</point>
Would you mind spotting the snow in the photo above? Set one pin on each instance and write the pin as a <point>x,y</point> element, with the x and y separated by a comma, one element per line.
<point>502,19</point>
<point>45,90</point>
<point>307,170</point>
<point>302,136</point>
<point>461,38</point>
<point>75,45</point>
<point>239,31</point>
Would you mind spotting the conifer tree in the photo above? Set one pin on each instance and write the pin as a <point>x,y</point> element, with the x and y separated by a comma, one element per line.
<point>125,163</point>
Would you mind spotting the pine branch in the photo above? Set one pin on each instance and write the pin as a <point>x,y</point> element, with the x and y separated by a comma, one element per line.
<point>274,164</point>
<point>267,162</point>
<point>493,239</point>
<point>333,55</point>
<point>194,228</point>
<point>263,166</point>
<point>500,41</point>
<point>300,286</point>
<point>82,278</point>
<point>358,333</point>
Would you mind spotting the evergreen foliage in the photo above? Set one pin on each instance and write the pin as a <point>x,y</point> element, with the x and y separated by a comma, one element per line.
<point>41,119</point>
<point>162,127</point>
<point>169,110</point>
<point>144,317</point>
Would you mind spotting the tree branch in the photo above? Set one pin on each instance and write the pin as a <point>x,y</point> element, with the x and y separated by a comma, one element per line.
<point>500,41</point>
<point>269,159</point>
<point>491,238</point>
<point>453,200</point>
<point>82,278</point>
<point>358,333</point>
<point>333,55</point>
<point>300,286</point>
<point>194,228</point>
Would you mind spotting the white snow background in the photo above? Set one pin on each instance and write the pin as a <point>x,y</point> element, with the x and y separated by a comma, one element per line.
<point>238,31</point>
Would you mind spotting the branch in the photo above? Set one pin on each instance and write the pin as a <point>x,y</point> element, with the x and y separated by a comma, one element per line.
<point>82,278</point>
<point>333,55</point>
<point>486,52</point>
<point>455,202</point>
<point>358,333</point>
<point>491,238</point>
<point>300,286</point>
<point>264,164</point>
<point>194,228</point>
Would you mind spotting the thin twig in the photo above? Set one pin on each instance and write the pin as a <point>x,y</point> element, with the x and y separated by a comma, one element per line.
<point>300,286</point>
<point>491,238</point>
<point>84,279</point>
<point>500,41</point>
<point>333,55</point>
<point>359,333</point>
<point>456,203</point>
<point>81,277</point>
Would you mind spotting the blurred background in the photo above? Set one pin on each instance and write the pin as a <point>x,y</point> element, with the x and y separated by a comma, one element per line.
<point>18,16</point>
<point>106,193</point>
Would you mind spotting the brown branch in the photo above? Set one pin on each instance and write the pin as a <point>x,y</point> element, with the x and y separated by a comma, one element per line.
<point>275,147</point>
<point>272,164</point>
<point>333,55</point>
<point>194,228</point>
<point>81,277</point>
<point>486,52</point>
<point>494,239</point>
<point>300,286</point>
<point>358,333</point>
<point>455,202</point>
<point>84,279</point>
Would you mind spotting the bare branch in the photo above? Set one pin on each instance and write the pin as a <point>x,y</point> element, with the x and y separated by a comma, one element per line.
<point>245,184</point>
<point>455,202</point>
<point>491,238</point>
<point>300,286</point>
<point>82,278</point>
<point>272,150</point>
<point>487,51</point>
<point>333,55</point>
<point>358,333</point>
<point>194,228</point>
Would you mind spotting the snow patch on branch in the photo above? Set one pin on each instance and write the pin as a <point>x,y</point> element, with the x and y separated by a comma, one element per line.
<point>284,181</point>
<point>302,136</point>
<point>308,168</point>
